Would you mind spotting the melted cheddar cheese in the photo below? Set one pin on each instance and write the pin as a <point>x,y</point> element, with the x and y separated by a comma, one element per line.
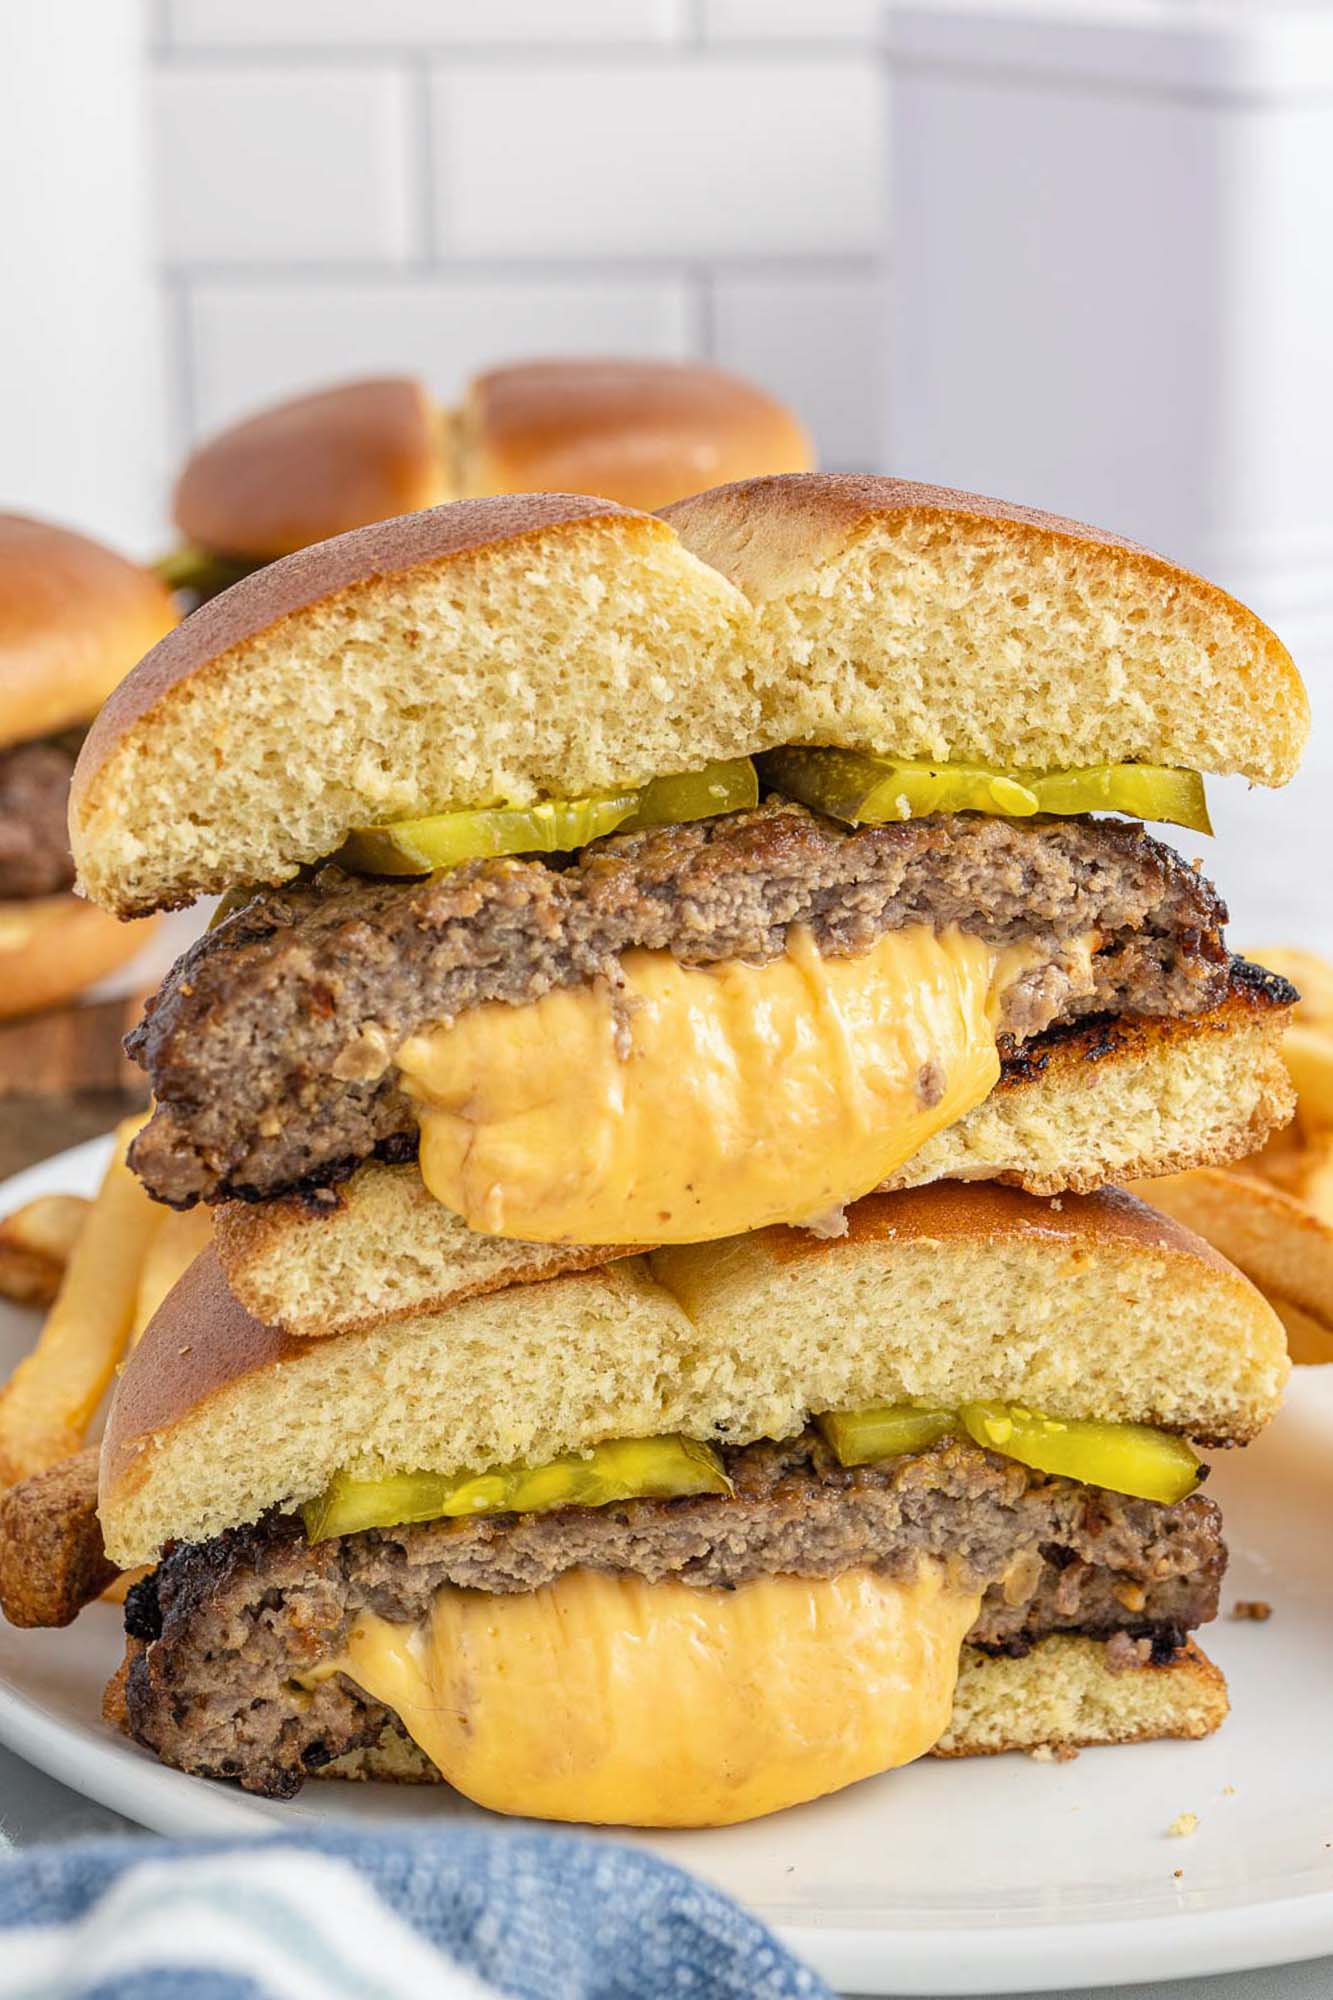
<point>609,1700</point>
<point>703,1101</point>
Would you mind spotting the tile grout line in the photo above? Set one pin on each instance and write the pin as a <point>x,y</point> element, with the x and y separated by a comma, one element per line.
<point>610,267</point>
<point>686,54</point>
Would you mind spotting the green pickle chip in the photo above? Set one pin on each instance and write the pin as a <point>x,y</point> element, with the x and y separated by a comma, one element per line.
<point>859,1437</point>
<point>1125,1458</point>
<point>203,572</point>
<point>853,786</point>
<point>663,1468</point>
<point>730,786</point>
<point>443,840</point>
<point>1143,791</point>
<point>553,826</point>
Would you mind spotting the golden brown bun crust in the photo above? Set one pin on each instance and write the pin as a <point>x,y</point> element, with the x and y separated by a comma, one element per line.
<point>1126,1099</point>
<point>354,562</point>
<point>958,1211</point>
<point>377,1247</point>
<point>311,468</point>
<point>643,432</point>
<point>53,946</point>
<point>197,1341</point>
<point>202,1339</point>
<point>764,533</point>
<point>74,618</point>
<point>840,504</point>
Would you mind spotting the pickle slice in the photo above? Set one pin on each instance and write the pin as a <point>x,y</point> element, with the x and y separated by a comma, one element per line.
<point>1126,1458</point>
<point>728,786</point>
<point>1143,791</point>
<point>555,826</point>
<point>662,1468</point>
<point>859,1437</point>
<point>443,840</point>
<point>864,790</point>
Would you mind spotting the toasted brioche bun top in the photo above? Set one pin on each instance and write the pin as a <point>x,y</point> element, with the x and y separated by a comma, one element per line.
<point>313,467</point>
<point>74,618</point>
<point>995,633</point>
<point>489,649</point>
<point>551,645</point>
<point>1091,1306</point>
<point>642,432</point>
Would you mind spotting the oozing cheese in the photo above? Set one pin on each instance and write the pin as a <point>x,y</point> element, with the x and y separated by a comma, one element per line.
<point>703,1101</point>
<point>618,1702</point>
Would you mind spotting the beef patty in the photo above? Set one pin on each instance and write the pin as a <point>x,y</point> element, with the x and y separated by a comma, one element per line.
<point>270,1045</point>
<point>34,800</point>
<point>221,1630</point>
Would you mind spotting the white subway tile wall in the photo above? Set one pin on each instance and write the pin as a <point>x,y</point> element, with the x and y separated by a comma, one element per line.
<point>435,185</point>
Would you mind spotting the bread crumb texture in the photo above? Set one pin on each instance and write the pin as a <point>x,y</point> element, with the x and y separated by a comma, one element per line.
<point>1088,1314</point>
<point>535,656</point>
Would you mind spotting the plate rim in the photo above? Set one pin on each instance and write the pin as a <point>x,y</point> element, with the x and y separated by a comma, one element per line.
<point>867,1959</point>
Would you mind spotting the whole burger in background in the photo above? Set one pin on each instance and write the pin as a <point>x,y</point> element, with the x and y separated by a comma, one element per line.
<point>74,618</point>
<point>643,432</point>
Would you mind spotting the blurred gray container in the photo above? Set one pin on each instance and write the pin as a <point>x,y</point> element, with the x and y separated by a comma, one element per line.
<point>1112,295</point>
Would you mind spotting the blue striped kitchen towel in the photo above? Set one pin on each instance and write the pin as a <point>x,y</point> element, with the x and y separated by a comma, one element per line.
<point>458,1914</point>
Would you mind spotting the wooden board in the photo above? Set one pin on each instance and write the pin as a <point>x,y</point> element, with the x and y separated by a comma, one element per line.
<point>65,1077</point>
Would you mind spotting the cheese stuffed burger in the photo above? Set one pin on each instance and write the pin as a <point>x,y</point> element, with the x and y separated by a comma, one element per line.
<point>656,879</point>
<point>74,618</point>
<point>641,432</point>
<point>691,1538</point>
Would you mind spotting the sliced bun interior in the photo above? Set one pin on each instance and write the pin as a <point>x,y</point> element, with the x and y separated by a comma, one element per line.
<point>1088,1306</point>
<point>1097,1106</point>
<point>498,649</point>
<point>1062,1696</point>
<point>547,645</point>
<point>924,623</point>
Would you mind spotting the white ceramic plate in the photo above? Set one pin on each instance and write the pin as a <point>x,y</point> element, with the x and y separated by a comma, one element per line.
<point>1002,1875</point>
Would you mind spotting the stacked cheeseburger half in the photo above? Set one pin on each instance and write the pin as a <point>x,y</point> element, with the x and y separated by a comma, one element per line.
<point>667,1350</point>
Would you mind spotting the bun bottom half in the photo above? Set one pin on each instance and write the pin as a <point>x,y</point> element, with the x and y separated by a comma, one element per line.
<point>1060,1697</point>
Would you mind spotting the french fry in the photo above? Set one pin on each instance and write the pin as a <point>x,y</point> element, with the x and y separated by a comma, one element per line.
<point>1311,975</point>
<point>49,1401</point>
<point>1280,1245</point>
<point>1308,1054</point>
<point>1281,1160</point>
<point>1309,1341</point>
<point>179,1237</point>
<point>35,1246</point>
<point>120,1586</point>
<point>52,1561</point>
<point>1314,1185</point>
<point>1272,1215</point>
